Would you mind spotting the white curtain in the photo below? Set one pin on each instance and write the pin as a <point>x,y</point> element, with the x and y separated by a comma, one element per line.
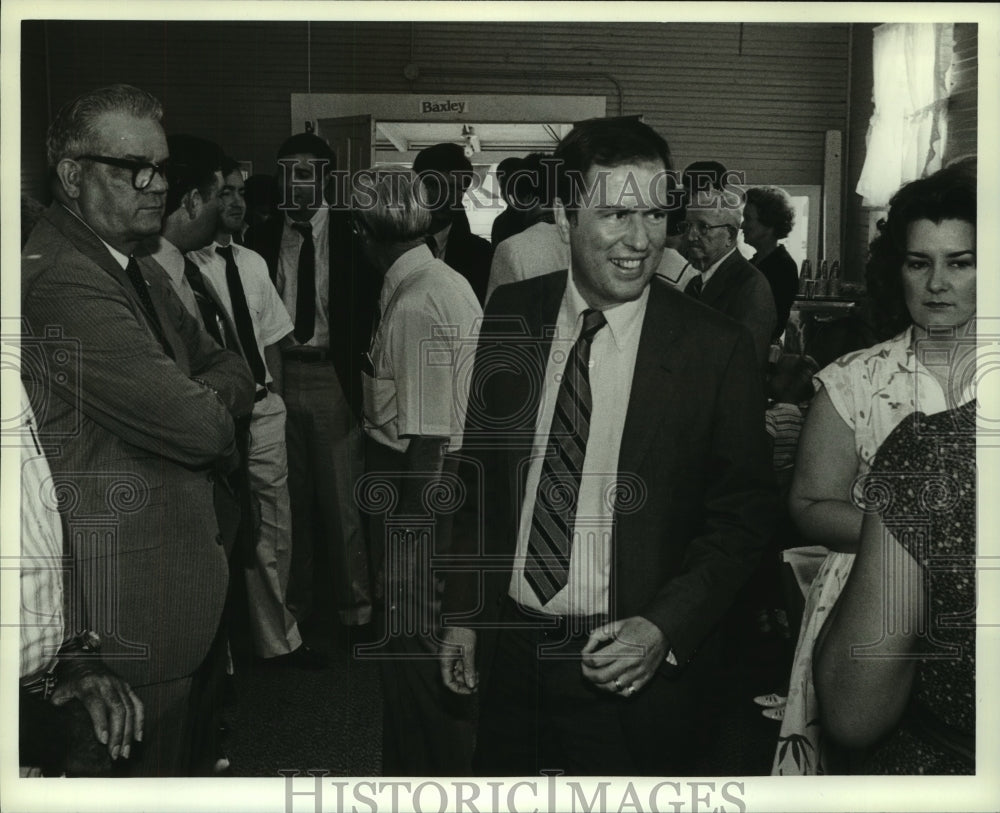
<point>907,132</point>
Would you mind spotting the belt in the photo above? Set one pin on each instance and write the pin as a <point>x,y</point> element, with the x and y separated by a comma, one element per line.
<point>554,628</point>
<point>307,355</point>
<point>261,394</point>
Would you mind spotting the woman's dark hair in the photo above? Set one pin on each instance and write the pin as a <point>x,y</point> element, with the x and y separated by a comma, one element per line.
<point>774,209</point>
<point>948,194</point>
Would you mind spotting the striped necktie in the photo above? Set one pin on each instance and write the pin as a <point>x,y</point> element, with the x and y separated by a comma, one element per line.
<point>550,541</point>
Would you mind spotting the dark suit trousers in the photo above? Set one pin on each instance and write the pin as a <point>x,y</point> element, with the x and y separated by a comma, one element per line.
<point>324,462</point>
<point>538,711</point>
<point>427,730</point>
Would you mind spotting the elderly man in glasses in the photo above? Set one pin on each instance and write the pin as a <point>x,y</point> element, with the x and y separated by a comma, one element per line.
<point>726,281</point>
<point>137,405</point>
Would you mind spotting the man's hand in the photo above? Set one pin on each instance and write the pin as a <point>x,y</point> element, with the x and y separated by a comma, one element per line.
<point>114,709</point>
<point>458,659</point>
<point>623,656</point>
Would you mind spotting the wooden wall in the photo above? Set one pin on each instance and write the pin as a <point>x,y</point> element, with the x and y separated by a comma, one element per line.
<point>757,97</point>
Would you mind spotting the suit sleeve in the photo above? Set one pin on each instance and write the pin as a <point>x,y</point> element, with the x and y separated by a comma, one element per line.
<point>221,370</point>
<point>736,515</point>
<point>503,269</point>
<point>761,316</point>
<point>127,384</point>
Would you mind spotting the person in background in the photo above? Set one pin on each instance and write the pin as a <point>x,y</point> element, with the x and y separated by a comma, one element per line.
<point>768,217</point>
<point>261,196</point>
<point>415,398</point>
<point>789,391</point>
<point>446,174</point>
<point>725,281</point>
<point>145,427</point>
<point>330,296</point>
<point>922,268</point>
<point>239,277</point>
<point>510,221</point>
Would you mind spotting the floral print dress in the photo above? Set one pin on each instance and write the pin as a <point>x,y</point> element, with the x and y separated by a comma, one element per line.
<point>873,390</point>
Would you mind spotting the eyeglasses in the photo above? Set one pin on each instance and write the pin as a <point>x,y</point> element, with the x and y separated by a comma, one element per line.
<point>143,172</point>
<point>701,229</point>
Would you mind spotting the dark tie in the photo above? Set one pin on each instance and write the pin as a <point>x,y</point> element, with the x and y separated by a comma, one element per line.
<point>241,315</point>
<point>551,537</point>
<point>209,310</point>
<point>694,287</point>
<point>305,298</point>
<point>431,244</point>
<point>142,290</point>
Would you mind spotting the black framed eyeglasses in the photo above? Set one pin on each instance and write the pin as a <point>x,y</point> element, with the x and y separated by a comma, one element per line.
<point>700,229</point>
<point>143,172</point>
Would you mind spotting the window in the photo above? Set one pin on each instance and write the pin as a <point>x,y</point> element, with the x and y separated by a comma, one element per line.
<point>908,130</point>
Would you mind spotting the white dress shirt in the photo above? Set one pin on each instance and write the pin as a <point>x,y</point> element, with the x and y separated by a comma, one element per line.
<point>612,363</point>
<point>286,280</point>
<point>271,322</point>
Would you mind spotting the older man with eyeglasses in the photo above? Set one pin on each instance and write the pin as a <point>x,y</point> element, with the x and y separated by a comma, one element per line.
<point>726,281</point>
<point>137,405</point>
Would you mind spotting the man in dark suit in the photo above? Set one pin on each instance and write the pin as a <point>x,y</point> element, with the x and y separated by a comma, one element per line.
<point>618,430</point>
<point>330,295</point>
<point>446,175</point>
<point>147,421</point>
<point>726,281</point>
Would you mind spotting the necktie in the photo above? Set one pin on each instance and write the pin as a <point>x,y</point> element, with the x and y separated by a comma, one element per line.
<point>551,536</point>
<point>694,287</point>
<point>431,244</point>
<point>206,305</point>
<point>305,297</point>
<point>142,290</point>
<point>241,315</point>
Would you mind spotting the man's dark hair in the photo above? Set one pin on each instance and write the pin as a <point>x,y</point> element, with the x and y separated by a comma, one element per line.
<point>193,164</point>
<point>261,190</point>
<point>443,158</point>
<point>229,165</point>
<point>607,143</point>
<point>308,144</point>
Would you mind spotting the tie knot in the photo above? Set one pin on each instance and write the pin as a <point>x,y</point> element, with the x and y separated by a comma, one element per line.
<point>226,252</point>
<point>305,229</point>
<point>593,321</point>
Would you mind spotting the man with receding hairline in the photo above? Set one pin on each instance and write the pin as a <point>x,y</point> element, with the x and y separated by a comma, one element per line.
<point>147,425</point>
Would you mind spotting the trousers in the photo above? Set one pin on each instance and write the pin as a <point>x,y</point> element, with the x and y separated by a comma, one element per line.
<point>324,464</point>
<point>273,627</point>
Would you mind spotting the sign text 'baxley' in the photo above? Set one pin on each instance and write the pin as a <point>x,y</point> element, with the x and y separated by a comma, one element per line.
<point>443,106</point>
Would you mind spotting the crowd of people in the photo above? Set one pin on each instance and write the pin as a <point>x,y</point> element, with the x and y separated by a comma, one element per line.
<point>536,476</point>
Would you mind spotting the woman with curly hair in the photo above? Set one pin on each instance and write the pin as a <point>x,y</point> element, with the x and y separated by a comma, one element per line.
<point>768,217</point>
<point>923,270</point>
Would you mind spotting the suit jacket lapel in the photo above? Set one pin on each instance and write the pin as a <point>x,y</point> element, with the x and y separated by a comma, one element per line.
<point>652,383</point>
<point>90,245</point>
<point>721,280</point>
<point>160,290</point>
<point>540,314</point>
